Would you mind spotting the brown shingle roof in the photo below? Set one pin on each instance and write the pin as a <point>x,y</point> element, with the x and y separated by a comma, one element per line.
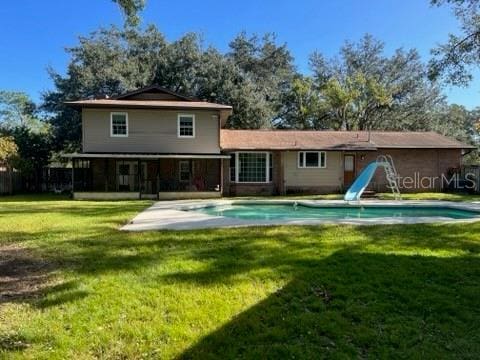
<point>152,104</point>
<point>333,140</point>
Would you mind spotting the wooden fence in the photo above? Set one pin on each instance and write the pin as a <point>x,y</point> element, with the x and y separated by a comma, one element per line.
<point>10,181</point>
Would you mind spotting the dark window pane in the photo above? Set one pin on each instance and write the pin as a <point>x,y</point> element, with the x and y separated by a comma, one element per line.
<point>186,126</point>
<point>311,159</point>
<point>119,124</point>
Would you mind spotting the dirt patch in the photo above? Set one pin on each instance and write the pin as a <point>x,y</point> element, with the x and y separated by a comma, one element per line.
<point>22,275</point>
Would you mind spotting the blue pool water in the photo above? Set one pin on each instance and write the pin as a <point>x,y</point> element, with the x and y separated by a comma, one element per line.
<point>288,211</point>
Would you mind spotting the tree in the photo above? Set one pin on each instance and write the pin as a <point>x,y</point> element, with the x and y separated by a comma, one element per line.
<point>131,8</point>
<point>364,89</point>
<point>26,142</point>
<point>456,121</point>
<point>454,59</point>
<point>17,109</point>
<point>251,76</point>
<point>34,151</point>
<point>265,73</point>
<point>8,150</point>
<point>301,105</point>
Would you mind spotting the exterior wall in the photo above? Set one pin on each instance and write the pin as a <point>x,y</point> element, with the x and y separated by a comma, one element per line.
<point>287,177</point>
<point>414,163</point>
<point>314,180</point>
<point>85,195</point>
<point>186,195</point>
<point>150,131</point>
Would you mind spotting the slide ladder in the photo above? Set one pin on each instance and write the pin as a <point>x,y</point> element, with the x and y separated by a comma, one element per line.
<point>391,174</point>
<point>361,182</point>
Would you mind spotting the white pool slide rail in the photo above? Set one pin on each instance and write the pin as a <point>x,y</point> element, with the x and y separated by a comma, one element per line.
<point>356,190</point>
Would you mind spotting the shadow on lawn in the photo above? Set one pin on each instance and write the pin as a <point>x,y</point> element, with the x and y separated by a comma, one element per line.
<point>294,252</point>
<point>346,296</point>
<point>354,304</point>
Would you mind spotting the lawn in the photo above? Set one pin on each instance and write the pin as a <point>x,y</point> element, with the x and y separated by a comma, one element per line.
<point>75,287</point>
<point>381,196</point>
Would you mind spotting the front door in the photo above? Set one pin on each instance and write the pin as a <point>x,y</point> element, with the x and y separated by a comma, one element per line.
<point>348,170</point>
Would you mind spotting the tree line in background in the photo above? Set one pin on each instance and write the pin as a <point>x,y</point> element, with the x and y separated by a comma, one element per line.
<point>361,88</point>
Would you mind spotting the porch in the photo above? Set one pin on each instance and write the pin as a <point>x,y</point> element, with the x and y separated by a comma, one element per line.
<point>128,176</point>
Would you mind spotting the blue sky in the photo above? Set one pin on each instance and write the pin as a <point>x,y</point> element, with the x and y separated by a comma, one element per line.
<point>35,33</point>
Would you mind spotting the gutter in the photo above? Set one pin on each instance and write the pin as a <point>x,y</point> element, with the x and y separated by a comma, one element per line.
<point>143,156</point>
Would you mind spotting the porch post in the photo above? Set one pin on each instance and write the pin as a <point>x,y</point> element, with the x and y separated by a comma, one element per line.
<point>105,169</point>
<point>139,176</point>
<point>158,177</point>
<point>73,176</point>
<point>221,177</point>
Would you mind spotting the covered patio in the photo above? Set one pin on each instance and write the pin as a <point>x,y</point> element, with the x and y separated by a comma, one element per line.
<point>146,176</point>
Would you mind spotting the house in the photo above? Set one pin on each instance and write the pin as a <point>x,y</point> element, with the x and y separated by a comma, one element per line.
<point>154,143</point>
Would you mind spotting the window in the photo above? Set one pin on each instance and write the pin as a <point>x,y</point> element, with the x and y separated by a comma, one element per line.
<point>251,167</point>
<point>119,124</point>
<point>184,170</point>
<point>312,159</point>
<point>186,126</point>
<point>233,171</point>
<point>270,169</point>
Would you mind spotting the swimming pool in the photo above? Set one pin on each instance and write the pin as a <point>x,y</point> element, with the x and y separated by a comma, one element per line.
<point>302,212</point>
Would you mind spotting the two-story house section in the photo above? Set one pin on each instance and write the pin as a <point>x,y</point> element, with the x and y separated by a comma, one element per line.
<point>153,143</point>
<point>149,143</point>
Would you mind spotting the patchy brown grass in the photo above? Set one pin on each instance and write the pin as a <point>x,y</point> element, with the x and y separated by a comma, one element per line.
<point>22,275</point>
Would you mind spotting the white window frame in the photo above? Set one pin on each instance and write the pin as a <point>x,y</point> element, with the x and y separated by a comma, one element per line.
<point>190,171</point>
<point>267,167</point>
<point>111,123</point>
<point>319,166</point>
<point>192,116</point>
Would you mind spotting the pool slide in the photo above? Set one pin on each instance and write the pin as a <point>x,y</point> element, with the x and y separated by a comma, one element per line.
<point>361,182</point>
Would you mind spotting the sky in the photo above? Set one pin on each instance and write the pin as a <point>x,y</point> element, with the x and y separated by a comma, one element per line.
<point>34,34</point>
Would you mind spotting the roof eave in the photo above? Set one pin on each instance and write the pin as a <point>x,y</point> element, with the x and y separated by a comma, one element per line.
<point>145,156</point>
<point>296,149</point>
<point>435,147</point>
<point>77,104</point>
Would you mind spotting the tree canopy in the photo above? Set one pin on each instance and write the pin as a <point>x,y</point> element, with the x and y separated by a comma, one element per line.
<point>360,88</point>
<point>131,8</point>
<point>25,138</point>
<point>251,76</point>
<point>454,60</point>
<point>8,150</point>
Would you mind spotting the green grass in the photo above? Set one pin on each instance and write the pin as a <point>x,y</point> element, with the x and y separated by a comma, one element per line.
<point>434,196</point>
<point>381,196</point>
<point>271,292</point>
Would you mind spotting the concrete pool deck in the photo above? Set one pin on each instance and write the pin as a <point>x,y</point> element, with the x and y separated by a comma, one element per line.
<point>177,215</point>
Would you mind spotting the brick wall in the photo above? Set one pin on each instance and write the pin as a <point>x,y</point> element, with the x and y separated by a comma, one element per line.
<point>417,164</point>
